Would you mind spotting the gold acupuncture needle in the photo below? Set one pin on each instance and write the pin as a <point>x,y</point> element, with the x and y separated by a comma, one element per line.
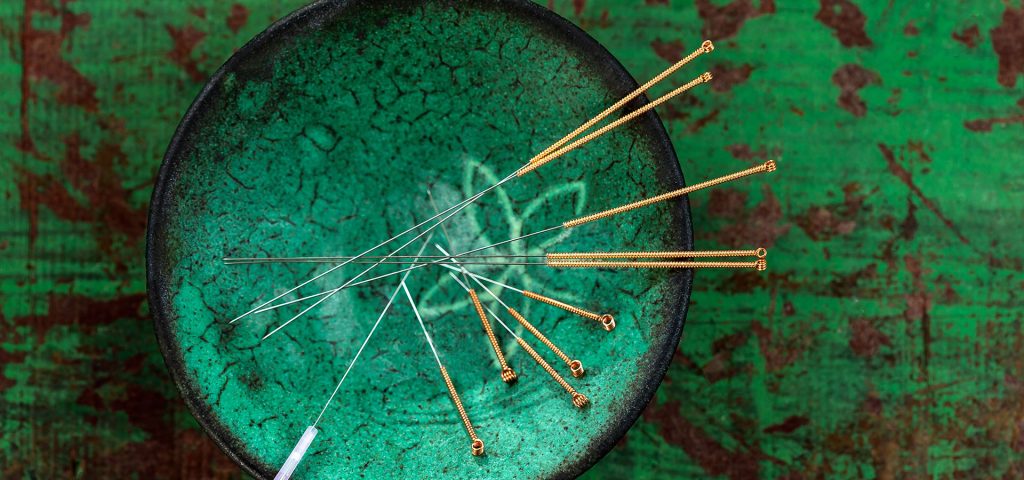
<point>688,254</point>
<point>533,165</point>
<point>292,462</point>
<point>507,374</point>
<point>606,320</point>
<point>758,252</point>
<point>530,166</point>
<point>575,366</point>
<point>562,258</point>
<point>766,167</point>
<point>578,399</point>
<point>705,47</point>
<point>759,264</point>
<point>469,260</point>
<point>566,260</point>
<point>476,445</point>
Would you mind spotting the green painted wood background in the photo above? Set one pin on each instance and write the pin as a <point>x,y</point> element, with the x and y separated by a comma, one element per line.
<point>885,341</point>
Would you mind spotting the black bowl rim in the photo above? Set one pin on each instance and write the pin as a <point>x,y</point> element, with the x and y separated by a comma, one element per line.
<point>168,170</point>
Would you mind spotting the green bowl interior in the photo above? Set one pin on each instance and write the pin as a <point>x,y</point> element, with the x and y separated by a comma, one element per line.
<point>322,137</point>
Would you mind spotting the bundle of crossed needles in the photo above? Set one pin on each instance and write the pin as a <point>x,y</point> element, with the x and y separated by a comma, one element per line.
<point>458,263</point>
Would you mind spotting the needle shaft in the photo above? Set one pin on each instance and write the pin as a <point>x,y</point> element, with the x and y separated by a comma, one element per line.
<point>383,312</point>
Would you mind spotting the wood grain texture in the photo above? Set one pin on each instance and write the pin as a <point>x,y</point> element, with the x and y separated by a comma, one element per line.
<point>885,341</point>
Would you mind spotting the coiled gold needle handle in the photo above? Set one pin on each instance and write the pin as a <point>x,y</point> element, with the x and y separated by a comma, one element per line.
<point>476,445</point>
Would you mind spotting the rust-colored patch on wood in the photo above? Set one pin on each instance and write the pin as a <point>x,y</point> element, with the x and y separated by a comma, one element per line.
<point>238,17</point>
<point>983,125</point>
<point>41,59</point>
<point>904,175</point>
<point>185,41</point>
<point>725,21</point>
<point>727,76</point>
<point>760,225</point>
<point>714,458</point>
<point>846,21</point>
<point>1008,43</point>
<point>669,51</point>
<point>866,339</point>
<point>850,78</point>
<point>789,425</point>
<point>968,36</point>
<point>578,6</point>
<point>85,313</point>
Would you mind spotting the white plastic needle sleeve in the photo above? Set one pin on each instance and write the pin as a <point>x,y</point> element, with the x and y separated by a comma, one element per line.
<point>297,453</point>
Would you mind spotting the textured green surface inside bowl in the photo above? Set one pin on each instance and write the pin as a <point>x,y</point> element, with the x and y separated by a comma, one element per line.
<point>325,140</point>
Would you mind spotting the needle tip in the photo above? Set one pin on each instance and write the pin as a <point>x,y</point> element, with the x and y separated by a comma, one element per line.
<point>770,166</point>
<point>707,46</point>
<point>706,77</point>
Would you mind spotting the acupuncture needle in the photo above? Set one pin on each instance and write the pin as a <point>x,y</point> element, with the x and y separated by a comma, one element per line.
<point>530,166</point>
<point>508,375</point>
<point>760,265</point>
<point>559,256</point>
<point>767,167</point>
<point>606,320</point>
<point>476,445</point>
<point>292,462</point>
<point>575,366</point>
<point>705,47</point>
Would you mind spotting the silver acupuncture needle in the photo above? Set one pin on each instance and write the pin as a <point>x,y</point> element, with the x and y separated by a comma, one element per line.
<point>367,340</point>
<point>421,265</point>
<point>464,286</point>
<point>292,462</point>
<point>458,208</point>
<point>444,229</point>
<point>371,267</point>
